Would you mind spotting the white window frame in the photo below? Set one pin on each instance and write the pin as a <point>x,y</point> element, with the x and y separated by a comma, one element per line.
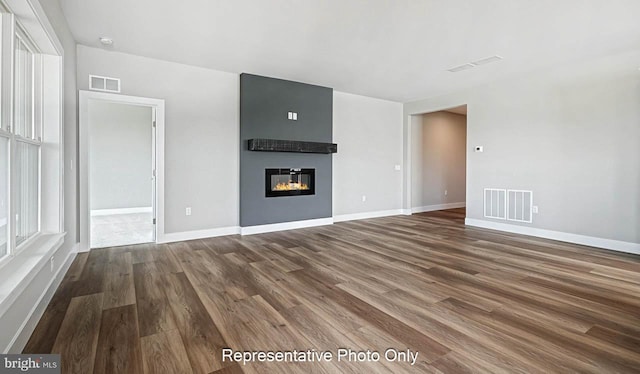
<point>45,255</point>
<point>12,31</point>
<point>36,81</point>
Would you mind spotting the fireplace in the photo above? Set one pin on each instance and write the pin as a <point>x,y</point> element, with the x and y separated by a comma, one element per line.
<point>289,182</point>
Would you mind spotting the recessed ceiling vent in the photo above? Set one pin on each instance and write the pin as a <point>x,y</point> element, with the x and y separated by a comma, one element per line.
<point>473,64</point>
<point>105,84</point>
<point>486,60</point>
<point>461,68</point>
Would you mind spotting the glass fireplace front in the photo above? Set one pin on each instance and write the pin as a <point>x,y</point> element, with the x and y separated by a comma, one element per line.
<point>289,182</point>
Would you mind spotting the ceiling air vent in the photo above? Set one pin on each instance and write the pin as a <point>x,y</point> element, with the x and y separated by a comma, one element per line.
<point>487,60</point>
<point>105,84</point>
<point>473,64</point>
<point>461,68</point>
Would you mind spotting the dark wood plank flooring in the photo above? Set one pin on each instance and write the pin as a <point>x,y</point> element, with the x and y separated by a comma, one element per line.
<point>467,299</point>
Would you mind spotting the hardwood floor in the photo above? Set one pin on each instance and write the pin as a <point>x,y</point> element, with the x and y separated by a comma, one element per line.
<point>467,299</point>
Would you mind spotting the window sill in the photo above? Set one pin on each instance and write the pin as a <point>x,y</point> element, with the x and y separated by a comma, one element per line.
<point>18,272</point>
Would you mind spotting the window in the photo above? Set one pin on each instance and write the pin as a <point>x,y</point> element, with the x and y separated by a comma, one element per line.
<point>4,194</point>
<point>20,143</point>
<point>23,88</point>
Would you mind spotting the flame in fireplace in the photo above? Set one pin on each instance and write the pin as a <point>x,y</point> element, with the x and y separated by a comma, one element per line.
<point>291,186</point>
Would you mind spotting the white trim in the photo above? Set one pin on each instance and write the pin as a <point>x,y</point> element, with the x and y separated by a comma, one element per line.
<point>19,341</point>
<point>259,229</point>
<point>36,23</point>
<point>199,234</point>
<point>25,265</point>
<point>109,212</point>
<point>83,185</point>
<point>431,208</point>
<point>407,151</point>
<point>592,241</point>
<point>366,215</point>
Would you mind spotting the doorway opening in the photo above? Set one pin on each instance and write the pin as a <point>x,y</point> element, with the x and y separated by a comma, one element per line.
<point>121,170</point>
<point>121,174</point>
<point>438,160</point>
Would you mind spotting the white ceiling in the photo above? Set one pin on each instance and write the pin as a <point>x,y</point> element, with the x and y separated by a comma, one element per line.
<point>391,49</point>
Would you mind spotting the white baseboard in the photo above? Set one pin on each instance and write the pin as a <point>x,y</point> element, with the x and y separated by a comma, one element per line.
<point>615,245</point>
<point>259,229</point>
<point>29,324</point>
<point>198,234</point>
<point>365,215</point>
<point>431,208</point>
<point>109,212</point>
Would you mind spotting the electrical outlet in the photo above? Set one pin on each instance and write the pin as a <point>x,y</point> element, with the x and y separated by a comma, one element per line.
<point>397,167</point>
<point>534,209</point>
<point>446,192</point>
<point>364,198</point>
<point>52,263</point>
<point>187,211</point>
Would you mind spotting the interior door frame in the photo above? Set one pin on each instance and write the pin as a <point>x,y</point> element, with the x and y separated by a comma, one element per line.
<point>157,106</point>
<point>407,152</point>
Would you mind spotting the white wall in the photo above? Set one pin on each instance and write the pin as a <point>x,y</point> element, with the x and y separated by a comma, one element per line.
<point>369,136</point>
<point>201,132</point>
<point>438,160</point>
<point>120,155</point>
<point>570,134</point>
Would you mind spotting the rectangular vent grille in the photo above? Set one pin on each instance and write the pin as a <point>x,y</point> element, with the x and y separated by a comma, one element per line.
<point>520,205</point>
<point>487,60</point>
<point>461,68</point>
<point>105,84</point>
<point>495,203</point>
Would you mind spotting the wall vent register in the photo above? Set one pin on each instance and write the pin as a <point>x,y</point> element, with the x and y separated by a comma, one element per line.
<point>520,206</point>
<point>289,182</point>
<point>510,205</point>
<point>104,84</point>
<point>495,203</point>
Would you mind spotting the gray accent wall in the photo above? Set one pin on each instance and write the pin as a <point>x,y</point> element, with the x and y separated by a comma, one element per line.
<point>264,104</point>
